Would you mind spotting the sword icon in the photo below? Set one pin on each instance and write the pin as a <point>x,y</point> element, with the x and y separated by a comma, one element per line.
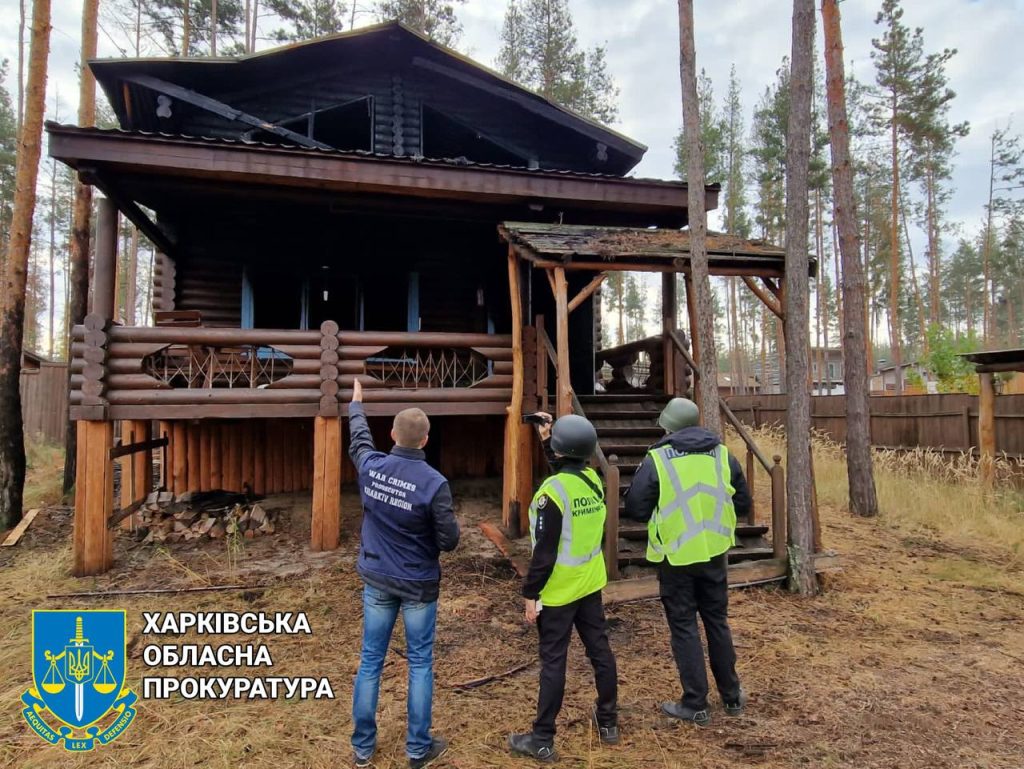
<point>79,667</point>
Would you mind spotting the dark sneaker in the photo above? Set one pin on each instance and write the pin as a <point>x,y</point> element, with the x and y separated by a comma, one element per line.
<point>677,710</point>
<point>609,734</point>
<point>527,745</point>
<point>362,763</point>
<point>438,747</point>
<point>735,707</point>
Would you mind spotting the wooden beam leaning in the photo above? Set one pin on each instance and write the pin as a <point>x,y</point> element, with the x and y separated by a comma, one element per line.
<point>564,399</point>
<point>325,523</point>
<point>987,429</point>
<point>92,546</point>
<point>768,299</point>
<point>691,311</point>
<point>136,468</point>
<point>587,290</point>
<point>220,109</point>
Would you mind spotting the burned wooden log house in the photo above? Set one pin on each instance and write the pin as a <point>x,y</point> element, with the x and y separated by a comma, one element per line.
<point>367,205</point>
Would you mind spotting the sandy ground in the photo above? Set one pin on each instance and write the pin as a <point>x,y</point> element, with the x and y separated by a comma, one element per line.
<point>912,658</point>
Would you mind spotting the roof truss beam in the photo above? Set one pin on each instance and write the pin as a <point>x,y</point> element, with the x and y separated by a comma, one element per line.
<point>221,109</point>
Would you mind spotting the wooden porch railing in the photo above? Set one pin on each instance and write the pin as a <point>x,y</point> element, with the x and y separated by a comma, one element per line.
<point>123,372</point>
<point>545,353</point>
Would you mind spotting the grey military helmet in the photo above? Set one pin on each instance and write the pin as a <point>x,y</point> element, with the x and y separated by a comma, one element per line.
<point>679,413</point>
<point>573,436</point>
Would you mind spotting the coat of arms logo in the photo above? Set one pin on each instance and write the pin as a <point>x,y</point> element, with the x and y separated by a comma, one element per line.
<point>78,695</point>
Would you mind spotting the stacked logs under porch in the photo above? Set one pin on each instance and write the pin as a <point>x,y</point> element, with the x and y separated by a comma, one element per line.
<point>214,515</point>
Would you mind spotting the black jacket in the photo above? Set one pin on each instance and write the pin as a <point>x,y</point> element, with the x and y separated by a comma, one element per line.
<point>642,497</point>
<point>445,526</point>
<point>547,530</point>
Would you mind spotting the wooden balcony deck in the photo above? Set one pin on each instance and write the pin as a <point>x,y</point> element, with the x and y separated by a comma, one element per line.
<point>135,373</point>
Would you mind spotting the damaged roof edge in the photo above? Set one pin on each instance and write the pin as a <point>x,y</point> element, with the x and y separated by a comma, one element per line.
<point>100,68</point>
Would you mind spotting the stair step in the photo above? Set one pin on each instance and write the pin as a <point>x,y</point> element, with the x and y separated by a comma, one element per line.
<point>637,555</point>
<point>636,530</point>
<point>630,432</point>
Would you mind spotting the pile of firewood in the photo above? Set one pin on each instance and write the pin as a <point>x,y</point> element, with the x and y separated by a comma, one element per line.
<point>165,517</point>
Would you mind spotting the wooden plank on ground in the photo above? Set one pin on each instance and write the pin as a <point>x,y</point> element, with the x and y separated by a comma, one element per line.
<point>496,536</point>
<point>19,530</point>
<point>745,574</point>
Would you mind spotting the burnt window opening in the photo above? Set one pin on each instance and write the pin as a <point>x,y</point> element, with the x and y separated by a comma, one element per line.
<point>347,126</point>
<point>447,138</point>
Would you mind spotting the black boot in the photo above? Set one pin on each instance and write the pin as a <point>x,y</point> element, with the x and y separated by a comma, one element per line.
<point>609,735</point>
<point>527,745</point>
<point>679,711</point>
<point>735,707</point>
<point>438,747</point>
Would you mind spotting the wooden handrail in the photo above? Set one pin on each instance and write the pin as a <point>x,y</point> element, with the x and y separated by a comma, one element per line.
<point>729,415</point>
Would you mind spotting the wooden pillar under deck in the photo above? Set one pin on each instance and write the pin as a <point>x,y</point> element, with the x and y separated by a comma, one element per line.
<point>93,550</point>
<point>564,395</point>
<point>105,265</point>
<point>325,524</point>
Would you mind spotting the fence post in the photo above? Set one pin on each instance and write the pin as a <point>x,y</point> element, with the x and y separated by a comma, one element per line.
<point>778,509</point>
<point>611,523</point>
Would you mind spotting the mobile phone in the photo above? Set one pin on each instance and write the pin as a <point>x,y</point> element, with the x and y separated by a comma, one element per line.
<point>536,419</point>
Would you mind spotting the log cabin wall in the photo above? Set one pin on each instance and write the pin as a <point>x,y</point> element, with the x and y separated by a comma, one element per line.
<point>275,456</point>
<point>213,287</point>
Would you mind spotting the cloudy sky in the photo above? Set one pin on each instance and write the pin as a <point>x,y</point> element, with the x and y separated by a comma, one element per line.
<point>642,42</point>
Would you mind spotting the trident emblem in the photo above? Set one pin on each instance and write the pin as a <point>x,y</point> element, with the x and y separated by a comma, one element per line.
<point>78,656</point>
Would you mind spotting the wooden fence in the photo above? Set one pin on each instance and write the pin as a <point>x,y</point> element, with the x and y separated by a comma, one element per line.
<point>946,422</point>
<point>44,401</point>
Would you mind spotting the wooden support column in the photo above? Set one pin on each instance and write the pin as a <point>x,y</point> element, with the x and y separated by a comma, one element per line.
<point>564,399</point>
<point>668,325</point>
<point>517,481</point>
<point>325,525</point>
<point>987,429</point>
<point>136,469</point>
<point>94,499</point>
<point>691,311</point>
<point>105,267</point>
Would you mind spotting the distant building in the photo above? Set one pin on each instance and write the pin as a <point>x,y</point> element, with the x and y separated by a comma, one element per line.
<point>726,385</point>
<point>884,380</point>
<point>829,379</point>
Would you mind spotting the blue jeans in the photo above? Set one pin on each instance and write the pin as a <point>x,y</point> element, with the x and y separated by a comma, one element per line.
<point>380,610</point>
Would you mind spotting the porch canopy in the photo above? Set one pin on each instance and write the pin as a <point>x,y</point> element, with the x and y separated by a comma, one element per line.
<point>633,249</point>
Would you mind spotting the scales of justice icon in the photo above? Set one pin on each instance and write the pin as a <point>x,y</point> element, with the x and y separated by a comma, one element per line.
<point>79,670</point>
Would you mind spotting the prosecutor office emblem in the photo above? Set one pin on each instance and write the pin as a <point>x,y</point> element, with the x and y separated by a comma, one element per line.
<point>78,695</point>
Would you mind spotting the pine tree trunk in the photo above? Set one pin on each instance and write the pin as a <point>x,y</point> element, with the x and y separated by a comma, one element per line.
<point>915,286</point>
<point>213,27</point>
<point>12,437</point>
<point>799,474</point>
<point>79,280</point>
<point>186,27</point>
<point>894,254</point>
<point>986,323</point>
<point>863,500</point>
<point>705,334</point>
<point>51,347</point>
<point>934,266</point>
<point>132,277</point>
<point>21,67</point>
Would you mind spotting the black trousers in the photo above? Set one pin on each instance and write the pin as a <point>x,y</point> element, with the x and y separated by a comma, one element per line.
<point>686,591</point>
<point>554,625</point>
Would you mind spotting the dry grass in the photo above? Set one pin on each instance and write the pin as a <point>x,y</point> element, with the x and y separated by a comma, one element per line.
<point>44,474</point>
<point>910,659</point>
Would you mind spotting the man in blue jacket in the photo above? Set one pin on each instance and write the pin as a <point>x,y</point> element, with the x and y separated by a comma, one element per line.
<point>408,521</point>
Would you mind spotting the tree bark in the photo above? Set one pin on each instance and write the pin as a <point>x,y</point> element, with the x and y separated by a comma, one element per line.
<point>705,333</point>
<point>12,437</point>
<point>799,479</point>
<point>862,497</point>
<point>131,278</point>
<point>82,210</point>
<point>895,330</point>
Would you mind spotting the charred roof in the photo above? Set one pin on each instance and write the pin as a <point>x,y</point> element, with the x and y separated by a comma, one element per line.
<point>384,89</point>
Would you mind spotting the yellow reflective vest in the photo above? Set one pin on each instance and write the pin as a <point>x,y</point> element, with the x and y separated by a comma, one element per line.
<point>579,568</point>
<point>695,519</point>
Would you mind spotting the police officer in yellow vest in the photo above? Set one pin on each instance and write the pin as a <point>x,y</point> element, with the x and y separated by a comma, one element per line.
<point>690,489</point>
<point>563,586</point>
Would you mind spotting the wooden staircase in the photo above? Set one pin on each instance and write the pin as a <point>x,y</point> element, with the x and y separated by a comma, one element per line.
<point>626,426</point>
